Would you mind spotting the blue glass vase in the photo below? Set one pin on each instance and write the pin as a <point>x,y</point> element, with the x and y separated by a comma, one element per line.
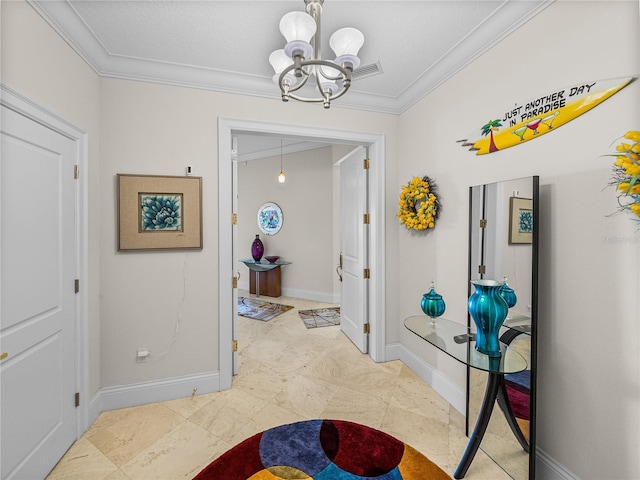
<point>432,304</point>
<point>508,294</point>
<point>488,310</point>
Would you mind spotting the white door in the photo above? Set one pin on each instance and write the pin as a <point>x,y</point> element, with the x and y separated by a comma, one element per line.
<point>38,420</point>
<point>354,246</point>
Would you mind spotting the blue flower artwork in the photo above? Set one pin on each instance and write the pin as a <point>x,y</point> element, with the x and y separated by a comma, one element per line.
<point>161,212</point>
<point>525,223</point>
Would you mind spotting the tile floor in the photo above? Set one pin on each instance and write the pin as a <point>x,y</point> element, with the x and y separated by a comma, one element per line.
<point>287,373</point>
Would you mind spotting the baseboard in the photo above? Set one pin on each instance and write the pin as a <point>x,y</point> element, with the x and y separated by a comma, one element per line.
<point>122,396</point>
<point>548,469</point>
<point>304,294</point>
<point>435,379</point>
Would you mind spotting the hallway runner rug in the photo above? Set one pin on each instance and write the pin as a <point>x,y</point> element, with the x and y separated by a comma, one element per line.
<point>322,450</point>
<point>320,317</point>
<point>260,309</point>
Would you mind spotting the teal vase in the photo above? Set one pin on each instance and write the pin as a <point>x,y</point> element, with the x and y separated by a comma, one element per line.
<point>488,310</point>
<point>508,294</point>
<point>432,304</point>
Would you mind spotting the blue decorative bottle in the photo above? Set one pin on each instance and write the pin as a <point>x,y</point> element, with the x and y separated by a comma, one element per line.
<point>508,293</point>
<point>432,304</point>
<point>488,310</point>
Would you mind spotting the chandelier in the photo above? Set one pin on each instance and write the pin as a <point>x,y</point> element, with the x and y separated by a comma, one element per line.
<point>301,60</point>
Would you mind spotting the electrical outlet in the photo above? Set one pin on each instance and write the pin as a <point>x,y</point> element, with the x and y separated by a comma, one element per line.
<point>142,354</point>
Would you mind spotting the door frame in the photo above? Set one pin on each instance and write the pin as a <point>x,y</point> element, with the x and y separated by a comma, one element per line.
<point>17,102</point>
<point>377,252</point>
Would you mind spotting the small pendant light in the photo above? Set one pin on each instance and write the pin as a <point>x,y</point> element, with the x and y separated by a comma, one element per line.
<point>281,177</point>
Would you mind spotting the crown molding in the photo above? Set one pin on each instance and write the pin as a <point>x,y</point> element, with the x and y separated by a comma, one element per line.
<point>64,19</point>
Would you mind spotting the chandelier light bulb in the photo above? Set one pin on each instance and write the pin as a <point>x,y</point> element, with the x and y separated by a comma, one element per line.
<point>281,177</point>
<point>346,43</point>
<point>279,61</point>
<point>326,76</point>
<point>298,28</point>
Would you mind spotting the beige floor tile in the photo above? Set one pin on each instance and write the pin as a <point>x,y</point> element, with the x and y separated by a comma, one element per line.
<point>306,396</point>
<point>355,406</point>
<point>227,413</point>
<point>82,461</point>
<point>189,405</point>
<point>134,430</point>
<point>180,454</point>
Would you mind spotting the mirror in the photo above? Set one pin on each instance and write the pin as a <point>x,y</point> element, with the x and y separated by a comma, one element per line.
<point>503,244</point>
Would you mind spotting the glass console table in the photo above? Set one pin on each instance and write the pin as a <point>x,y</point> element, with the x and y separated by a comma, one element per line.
<point>458,341</point>
<point>270,273</point>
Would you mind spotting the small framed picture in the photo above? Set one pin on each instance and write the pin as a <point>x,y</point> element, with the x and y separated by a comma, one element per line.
<point>520,220</point>
<point>159,212</point>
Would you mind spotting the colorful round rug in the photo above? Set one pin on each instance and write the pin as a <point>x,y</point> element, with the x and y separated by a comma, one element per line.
<point>322,450</point>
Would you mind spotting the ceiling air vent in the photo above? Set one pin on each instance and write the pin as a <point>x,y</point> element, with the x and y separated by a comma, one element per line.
<point>369,70</point>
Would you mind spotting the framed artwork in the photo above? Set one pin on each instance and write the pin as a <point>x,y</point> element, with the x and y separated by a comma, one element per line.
<point>270,218</point>
<point>520,220</point>
<point>159,212</point>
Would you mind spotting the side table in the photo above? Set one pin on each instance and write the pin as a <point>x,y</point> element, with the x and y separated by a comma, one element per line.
<point>458,342</point>
<point>270,273</point>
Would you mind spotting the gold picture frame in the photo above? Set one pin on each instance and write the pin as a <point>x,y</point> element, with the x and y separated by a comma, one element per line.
<point>520,220</point>
<point>159,212</point>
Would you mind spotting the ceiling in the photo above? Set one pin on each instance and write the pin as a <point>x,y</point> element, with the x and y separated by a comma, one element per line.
<point>224,45</point>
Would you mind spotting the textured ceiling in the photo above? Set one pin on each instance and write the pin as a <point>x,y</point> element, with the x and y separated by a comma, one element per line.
<point>225,45</point>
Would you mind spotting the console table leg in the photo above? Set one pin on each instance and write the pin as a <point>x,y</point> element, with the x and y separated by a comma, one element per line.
<point>505,406</point>
<point>486,409</point>
<point>257,283</point>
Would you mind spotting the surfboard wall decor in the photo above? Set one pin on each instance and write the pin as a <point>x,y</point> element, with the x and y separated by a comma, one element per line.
<point>540,115</point>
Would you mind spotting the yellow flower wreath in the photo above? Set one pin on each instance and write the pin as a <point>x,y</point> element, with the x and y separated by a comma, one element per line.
<point>419,204</point>
<point>626,173</point>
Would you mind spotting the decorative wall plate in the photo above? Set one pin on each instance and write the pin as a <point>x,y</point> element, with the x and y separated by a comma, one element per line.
<point>270,218</point>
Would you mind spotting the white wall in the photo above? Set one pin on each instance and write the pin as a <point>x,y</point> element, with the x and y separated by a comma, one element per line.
<point>589,352</point>
<point>306,237</point>
<point>38,64</point>
<point>156,129</point>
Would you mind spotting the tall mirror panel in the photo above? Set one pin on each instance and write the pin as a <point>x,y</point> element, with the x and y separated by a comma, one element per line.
<point>503,246</point>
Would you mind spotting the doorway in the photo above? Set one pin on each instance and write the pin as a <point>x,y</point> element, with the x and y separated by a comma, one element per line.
<point>227,267</point>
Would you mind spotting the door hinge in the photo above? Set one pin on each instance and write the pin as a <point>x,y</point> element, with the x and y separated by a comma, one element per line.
<point>234,282</point>
<point>76,285</point>
<point>234,345</point>
<point>366,273</point>
<point>482,269</point>
<point>366,219</point>
<point>234,219</point>
<point>76,399</point>
<point>367,328</point>
<point>483,223</point>
<point>76,171</point>
<point>366,164</point>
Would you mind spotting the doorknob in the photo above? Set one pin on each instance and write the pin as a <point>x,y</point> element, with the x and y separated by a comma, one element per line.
<point>4,355</point>
<point>339,268</point>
